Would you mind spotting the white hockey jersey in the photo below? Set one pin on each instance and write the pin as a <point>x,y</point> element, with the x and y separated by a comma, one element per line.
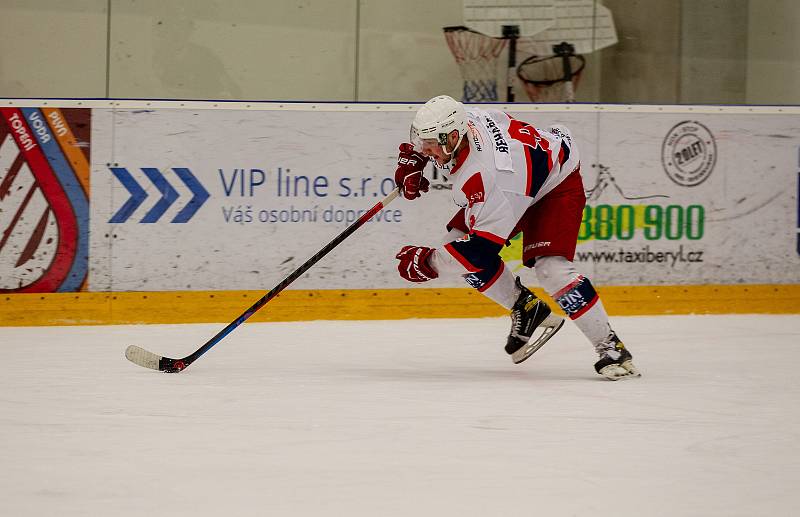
<point>508,166</point>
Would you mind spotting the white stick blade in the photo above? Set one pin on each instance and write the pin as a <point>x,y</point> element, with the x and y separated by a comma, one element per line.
<point>142,357</point>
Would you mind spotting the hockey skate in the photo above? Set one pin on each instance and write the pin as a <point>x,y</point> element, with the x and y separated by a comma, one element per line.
<point>528,314</point>
<point>615,361</point>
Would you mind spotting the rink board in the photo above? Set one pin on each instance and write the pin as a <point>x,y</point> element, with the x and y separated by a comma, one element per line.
<point>118,202</point>
<point>674,198</point>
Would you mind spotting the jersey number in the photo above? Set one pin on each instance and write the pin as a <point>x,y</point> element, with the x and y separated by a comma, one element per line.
<point>539,154</point>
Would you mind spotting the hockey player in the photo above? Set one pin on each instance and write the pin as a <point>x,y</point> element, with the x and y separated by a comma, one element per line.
<point>508,177</point>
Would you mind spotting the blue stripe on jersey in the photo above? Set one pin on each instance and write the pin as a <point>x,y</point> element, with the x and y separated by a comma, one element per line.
<point>540,165</point>
<point>540,168</point>
<point>479,252</point>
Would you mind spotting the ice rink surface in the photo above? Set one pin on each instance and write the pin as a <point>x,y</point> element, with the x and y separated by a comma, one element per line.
<point>402,418</point>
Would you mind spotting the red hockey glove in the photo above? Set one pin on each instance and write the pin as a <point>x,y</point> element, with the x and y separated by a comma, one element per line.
<point>414,265</point>
<point>408,175</point>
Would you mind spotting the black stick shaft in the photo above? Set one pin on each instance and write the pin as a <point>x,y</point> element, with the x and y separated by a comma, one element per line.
<point>289,279</point>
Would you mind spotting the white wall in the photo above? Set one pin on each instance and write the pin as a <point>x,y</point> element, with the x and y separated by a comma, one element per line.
<point>53,48</point>
<point>713,52</point>
<point>403,55</point>
<point>248,49</point>
<point>773,52</point>
<point>377,50</point>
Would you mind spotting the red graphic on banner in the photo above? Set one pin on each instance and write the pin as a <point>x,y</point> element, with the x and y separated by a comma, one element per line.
<point>38,226</point>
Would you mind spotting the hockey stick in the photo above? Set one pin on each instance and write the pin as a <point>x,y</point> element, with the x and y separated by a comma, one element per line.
<point>148,359</point>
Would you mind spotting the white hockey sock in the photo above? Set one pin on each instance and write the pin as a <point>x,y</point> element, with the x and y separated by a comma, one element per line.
<point>503,290</point>
<point>576,296</point>
<point>594,323</point>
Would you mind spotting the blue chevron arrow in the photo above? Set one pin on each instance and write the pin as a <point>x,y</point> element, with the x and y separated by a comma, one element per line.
<point>168,195</point>
<point>138,195</point>
<point>200,195</point>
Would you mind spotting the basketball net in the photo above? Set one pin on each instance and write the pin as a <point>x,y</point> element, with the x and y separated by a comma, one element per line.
<point>478,58</point>
<point>547,79</point>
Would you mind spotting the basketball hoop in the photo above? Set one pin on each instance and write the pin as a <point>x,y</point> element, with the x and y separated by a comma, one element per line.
<point>477,58</point>
<point>552,78</point>
<point>532,29</point>
<point>548,78</point>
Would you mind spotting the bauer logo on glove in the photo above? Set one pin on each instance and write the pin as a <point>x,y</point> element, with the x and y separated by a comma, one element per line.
<point>414,265</point>
<point>408,175</point>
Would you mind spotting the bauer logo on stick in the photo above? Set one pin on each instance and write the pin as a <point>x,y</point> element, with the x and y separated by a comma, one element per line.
<point>689,153</point>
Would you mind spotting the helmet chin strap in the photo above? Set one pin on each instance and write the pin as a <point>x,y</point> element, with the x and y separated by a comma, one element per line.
<point>450,154</point>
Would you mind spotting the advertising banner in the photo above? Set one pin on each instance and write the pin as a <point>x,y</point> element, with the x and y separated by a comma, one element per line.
<point>236,199</point>
<point>676,200</point>
<point>225,199</point>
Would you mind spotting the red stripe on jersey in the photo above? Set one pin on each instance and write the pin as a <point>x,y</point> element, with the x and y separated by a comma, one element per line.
<point>473,189</point>
<point>529,169</point>
<point>490,237</point>
<point>538,155</point>
<point>460,258</point>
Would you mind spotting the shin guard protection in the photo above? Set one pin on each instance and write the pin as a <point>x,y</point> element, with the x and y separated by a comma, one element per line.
<point>577,297</point>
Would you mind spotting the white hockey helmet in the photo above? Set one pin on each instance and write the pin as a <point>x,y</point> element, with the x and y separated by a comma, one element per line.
<point>436,119</point>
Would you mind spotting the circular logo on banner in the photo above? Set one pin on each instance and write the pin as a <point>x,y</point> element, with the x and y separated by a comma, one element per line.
<point>689,153</point>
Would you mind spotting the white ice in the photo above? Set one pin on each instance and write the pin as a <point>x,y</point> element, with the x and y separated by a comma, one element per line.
<point>402,418</point>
